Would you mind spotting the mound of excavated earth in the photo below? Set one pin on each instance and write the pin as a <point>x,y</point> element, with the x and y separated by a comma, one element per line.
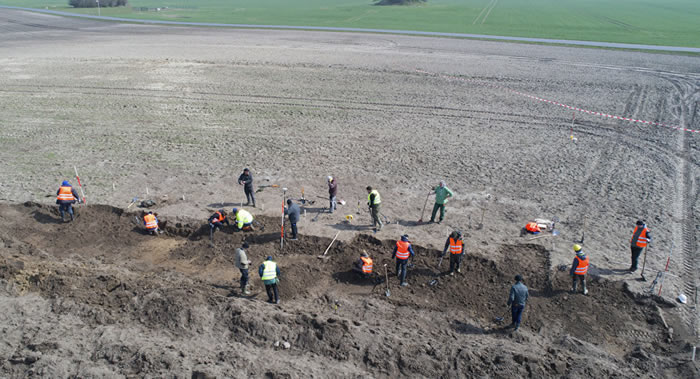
<point>99,297</point>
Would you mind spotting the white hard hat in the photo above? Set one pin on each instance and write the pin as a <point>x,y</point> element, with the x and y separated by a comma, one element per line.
<point>330,178</point>
<point>682,299</point>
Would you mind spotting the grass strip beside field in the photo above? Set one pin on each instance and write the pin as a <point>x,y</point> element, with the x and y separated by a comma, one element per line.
<point>669,23</point>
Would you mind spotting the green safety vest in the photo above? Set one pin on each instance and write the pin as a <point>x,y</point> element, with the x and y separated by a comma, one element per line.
<point>243,217</point>
<point>269,271</point>
<point>377,198</point>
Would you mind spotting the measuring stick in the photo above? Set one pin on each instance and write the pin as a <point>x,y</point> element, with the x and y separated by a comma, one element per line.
<point>661,285</point>
<point>80,185</point>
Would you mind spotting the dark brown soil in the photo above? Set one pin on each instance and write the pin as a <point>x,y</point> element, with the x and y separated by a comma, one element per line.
<point>108,277</point>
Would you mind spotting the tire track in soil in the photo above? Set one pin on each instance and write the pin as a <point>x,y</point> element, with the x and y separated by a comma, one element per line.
<point>429,111</point>
<point>688,95</point>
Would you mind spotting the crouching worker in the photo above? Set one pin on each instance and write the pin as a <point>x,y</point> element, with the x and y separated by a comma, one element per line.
<point>244,220</point>
<point>217,221</point>
<point>151,222</point>
<point>363,266</point>
<point>65,198</point>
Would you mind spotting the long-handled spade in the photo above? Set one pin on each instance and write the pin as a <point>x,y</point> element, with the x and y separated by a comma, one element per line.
<point>644,264</point>
<point>284,195</point>
<point>435,281</point>
<point>424,205</point>
<point>499,320</point>
<point>386,274</point>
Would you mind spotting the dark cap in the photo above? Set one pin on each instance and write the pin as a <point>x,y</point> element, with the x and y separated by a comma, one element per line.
<point>369,188</point>
<point>518,278</point>
<point>269,258</point>
<point>289,201</point>
<point>246,169</point>
<point>245,245</point>
<point>640,222</point>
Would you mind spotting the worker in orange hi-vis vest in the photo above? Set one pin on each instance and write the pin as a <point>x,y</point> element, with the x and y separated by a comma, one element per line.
<point>402,251</point>
<point>150,221</point>
<point>641,236</point>
<point>579,269</point>
<point>455,246</point>
<point>363,266</point>
<point>65,198</point>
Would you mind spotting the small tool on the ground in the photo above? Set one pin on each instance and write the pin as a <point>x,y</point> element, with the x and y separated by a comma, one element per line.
<point>284,195</point>
<point>434,281</point>
<point>386,274</point>
<point>133,201</point>
<point>424,205</point>
<point>500,319</point>
<point>328,248</point>
<point>358,207</point>
<point>654,282</point>
<point>261,188</point>
<point>644,264</point>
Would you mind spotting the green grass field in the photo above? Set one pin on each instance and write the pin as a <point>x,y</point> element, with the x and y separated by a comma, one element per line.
<point>653,22</point>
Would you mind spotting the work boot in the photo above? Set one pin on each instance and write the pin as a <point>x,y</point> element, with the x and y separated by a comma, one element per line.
<point>452,273</point>
<point>459,270</point>
<point>404,284</point>
<point>585,290</point>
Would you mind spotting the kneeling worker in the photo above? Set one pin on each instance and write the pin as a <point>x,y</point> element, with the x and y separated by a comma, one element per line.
<point>363,266</point>
<point>579,268</point>
<point>269,273</point>
<point>217,221</point>
<point>244,220</point>
<point>151,222</point>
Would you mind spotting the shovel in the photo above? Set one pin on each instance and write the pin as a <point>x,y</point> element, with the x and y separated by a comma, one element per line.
<point>644,265</point>
<point>481,223</point>
<point>499,320</point>
<point>328,248</point>
<point>424,205</point>
<point>386,273</point>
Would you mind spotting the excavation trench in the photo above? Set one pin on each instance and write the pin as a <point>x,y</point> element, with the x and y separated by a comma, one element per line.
<point>103,269</point>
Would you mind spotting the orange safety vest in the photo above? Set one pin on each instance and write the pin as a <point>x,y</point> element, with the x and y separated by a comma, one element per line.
<point>151,222</point>
<point>219,218</point>
<point>532,227</point>
<point>456,246</point>
<point>582,267</point>
<point>366,265</point>
<point>642,240</point>
<point>402,249</point>
<point>65,193</point>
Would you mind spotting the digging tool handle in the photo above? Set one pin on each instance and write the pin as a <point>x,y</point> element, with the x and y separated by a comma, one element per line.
<point>644,263</point>
<point>424,205</point>
<point>331,244</point>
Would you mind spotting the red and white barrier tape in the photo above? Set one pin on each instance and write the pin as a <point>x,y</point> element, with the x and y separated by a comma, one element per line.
<point>565,105</point>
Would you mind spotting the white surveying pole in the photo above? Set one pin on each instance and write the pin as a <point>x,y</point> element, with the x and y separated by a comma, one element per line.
<point>98,7</point>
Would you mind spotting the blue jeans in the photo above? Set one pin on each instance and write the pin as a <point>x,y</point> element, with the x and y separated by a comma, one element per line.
<point>244,277</point>
<point>401,269</point>
<point>517,313</point>
<point>63,207</point>
<point>294,230</point>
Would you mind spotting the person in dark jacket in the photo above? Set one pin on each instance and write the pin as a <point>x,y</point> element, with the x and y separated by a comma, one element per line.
<point>402,251</point>
<point>455,246</point>
<point>579,268</point>
<point>246,180</point>
<point>332,193</point>
<point>641,236</point>
<point>270,273</point>
<point>294,213</point>
<point>517,300</point>
<point>65,198</point>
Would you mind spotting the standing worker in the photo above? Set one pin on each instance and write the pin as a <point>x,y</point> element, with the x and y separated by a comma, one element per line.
<point>294,213</point>
<point>374,203</point>
<point>150,221</point>
<point>517,300</point>
<point>402,251</point>
<point>441,195</point>
<point>246,180</point>
<point>455,246</point>
<point>579,268</point>
<point>242,263</point>
<point>65,198</point>
<point>269,273</point>
<point>640,238</point>
<point>244,220</point>
<point>217,221</point>
<point>332,193</point>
